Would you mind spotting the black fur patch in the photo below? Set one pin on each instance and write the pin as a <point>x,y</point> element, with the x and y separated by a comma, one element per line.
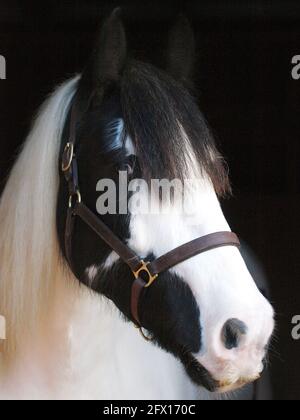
<point>167,309</point>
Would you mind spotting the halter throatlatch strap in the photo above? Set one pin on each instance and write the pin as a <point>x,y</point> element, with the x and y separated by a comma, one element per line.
<point>144,273</point>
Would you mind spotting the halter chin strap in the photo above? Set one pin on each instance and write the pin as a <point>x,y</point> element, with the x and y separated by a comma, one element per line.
<point>145,273</point>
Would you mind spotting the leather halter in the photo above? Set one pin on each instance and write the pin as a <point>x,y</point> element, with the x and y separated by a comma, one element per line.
<point>144,273</point>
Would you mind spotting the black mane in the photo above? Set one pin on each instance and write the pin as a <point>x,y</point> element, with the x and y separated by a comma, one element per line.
<point>155,109</point>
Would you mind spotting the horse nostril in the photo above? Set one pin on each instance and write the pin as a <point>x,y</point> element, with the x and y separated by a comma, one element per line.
<point>232,333</point>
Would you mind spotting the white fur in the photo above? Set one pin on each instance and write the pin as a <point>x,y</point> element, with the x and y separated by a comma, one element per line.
<point>29,256</point>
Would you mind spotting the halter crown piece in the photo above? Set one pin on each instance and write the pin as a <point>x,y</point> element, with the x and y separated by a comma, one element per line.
<point>145,273</point>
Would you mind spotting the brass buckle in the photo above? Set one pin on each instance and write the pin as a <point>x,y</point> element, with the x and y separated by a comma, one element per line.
<point>69,153</point>
<point>144,268</point>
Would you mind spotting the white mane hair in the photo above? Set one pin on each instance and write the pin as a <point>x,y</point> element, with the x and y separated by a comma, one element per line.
<point>30,264</point>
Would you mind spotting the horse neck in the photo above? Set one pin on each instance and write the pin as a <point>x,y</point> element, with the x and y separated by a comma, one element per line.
<point>84,349</point>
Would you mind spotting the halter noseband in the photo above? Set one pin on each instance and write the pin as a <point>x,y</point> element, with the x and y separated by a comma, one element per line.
<point>144,273</point>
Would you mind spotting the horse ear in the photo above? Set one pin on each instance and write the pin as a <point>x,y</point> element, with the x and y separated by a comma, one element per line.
<point>181,50</point>
<point>110,52</point>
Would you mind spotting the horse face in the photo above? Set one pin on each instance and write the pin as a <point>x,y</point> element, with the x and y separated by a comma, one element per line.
<point>207,311</point>
<point>221,308</point>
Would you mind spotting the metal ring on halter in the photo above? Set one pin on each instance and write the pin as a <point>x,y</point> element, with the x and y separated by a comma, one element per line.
<point>68,155</point>
<point>143,334</point>
<point>78,198</point>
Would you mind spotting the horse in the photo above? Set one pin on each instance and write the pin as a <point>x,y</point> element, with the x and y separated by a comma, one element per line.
<point>70,327</point>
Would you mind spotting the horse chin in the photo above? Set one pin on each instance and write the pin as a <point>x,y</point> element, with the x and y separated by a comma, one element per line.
<point>227,386</point>
<point>202,377</point>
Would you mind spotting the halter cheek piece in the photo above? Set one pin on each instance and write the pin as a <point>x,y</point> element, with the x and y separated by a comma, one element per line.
<point>144,273</point>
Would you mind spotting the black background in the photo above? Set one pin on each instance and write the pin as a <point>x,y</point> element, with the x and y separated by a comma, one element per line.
<point>245,88</point>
